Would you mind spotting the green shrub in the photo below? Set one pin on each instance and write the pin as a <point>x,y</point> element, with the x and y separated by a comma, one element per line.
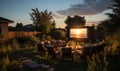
<point>58,34</point>
<point>32,39</point>
<point>15,45</point>
<point>27,41</point>
<point>3,51</point>
<point>9,49</point>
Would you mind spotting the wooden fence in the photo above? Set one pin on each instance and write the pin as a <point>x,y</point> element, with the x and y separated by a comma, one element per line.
<point>21,34</point>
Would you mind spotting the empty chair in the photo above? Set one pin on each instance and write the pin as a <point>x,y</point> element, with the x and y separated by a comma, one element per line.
<point>51,52</point>
<point>67,54</point>
<point>86,51</point>
<point>41,49</point>
<point>91,50</point>
<point>46,43</point>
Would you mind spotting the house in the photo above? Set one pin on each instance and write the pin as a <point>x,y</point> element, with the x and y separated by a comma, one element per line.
<point>4,28</point>
<point>28,28</point>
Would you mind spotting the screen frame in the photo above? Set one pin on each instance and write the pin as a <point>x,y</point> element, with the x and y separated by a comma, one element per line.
<point>91,34</point>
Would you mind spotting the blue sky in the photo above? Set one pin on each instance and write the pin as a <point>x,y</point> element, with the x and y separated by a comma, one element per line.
<point>18,10</point>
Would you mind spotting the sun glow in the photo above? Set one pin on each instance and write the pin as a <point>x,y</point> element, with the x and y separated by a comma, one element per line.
<point>78,33</point>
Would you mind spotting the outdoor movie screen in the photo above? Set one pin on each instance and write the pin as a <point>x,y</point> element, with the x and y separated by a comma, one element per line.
<point>78,33</point>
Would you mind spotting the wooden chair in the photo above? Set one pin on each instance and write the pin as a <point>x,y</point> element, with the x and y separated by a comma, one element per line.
<point>51,52</point>
<point>91,50</point>
<point>86,51</point>
<point>41,49</point>
<point>67,54</point>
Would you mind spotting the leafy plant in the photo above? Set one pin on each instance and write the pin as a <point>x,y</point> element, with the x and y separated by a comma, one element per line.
<point>15,45</point>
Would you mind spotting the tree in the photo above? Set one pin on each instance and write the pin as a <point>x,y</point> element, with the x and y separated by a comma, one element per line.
<point>19,27</point>
<point>111,26</point>
<point>58,34</point>
<point>41,20</point>
<point>79,21</point>
<point>76,21</point>
<point>53,24</point>
<point>10,28</point>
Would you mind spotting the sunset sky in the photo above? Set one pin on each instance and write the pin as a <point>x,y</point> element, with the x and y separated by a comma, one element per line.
<point>18,10</point>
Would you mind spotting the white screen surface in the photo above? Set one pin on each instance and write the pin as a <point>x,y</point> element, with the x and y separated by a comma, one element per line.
<point>78,33</point>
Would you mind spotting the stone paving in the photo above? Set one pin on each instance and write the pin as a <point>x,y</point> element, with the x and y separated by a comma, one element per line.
<point>33,65</point>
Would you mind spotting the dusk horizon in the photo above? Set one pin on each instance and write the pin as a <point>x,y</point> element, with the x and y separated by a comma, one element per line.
<point>18,10</point>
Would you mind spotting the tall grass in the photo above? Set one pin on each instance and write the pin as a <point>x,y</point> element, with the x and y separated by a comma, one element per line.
<point>5,52</point>
<point>97,63</point>
<point>4,63</point>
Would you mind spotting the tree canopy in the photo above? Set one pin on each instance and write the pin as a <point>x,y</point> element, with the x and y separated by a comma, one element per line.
<point>76,21</point>
<point>111,26</point>
<point>19,27</point>
<point>113,23</point>
<point>42,20</point>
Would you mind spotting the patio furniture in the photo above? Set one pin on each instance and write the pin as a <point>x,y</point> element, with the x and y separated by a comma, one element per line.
<point>51,52</point>
<point>46,43</point>
<point>67,54</point>
<point>93,49</point>
<point>41,49</point>
<point>86,51</point>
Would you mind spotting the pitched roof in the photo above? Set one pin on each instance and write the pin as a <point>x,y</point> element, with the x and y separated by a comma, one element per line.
<point>6,20</point>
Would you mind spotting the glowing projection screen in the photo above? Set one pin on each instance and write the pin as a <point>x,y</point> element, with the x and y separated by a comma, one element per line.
<point>78,33</point>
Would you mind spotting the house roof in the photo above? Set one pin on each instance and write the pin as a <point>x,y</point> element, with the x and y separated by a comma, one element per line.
<point>5,20</point>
